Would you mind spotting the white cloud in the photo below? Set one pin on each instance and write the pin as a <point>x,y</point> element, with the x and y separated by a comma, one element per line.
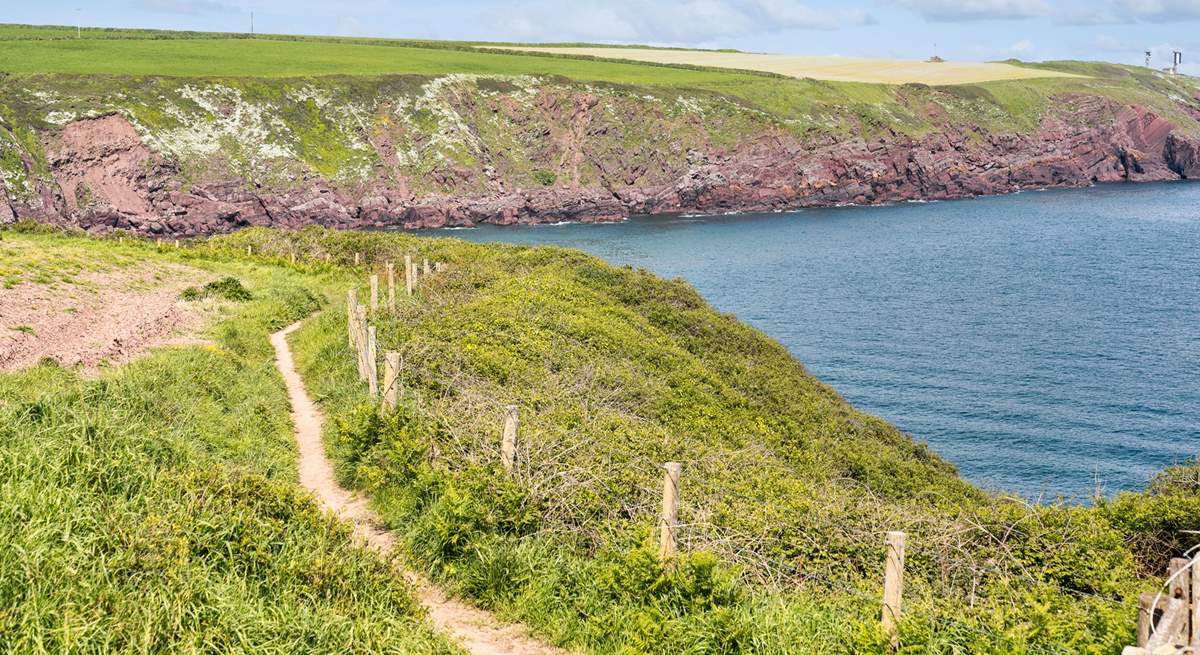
<point>965,10</point>
<point>1022,47</point>
<point>665,22</point>
<point>1117,12</point>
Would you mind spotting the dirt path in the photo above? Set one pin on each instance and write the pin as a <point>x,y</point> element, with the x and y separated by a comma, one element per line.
<point>474,629</point>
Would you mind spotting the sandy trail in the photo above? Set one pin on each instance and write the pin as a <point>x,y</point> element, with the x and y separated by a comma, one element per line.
<point>476,630</point>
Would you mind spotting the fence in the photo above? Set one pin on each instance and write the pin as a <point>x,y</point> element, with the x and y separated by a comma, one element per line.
<point>361,337</point>
<point>1169,621</point>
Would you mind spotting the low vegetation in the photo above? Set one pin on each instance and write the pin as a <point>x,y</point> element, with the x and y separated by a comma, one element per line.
<point>155,509</point>
<point>229,288</point>
<point>787,489</point>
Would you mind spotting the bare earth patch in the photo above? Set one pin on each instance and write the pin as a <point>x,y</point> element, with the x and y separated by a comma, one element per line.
<point>112,316</point>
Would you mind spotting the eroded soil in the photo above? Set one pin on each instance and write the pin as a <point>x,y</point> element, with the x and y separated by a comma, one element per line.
<point>111,316</point>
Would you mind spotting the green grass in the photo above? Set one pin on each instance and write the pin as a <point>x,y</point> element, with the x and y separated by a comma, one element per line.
<point>276,58</point>
<point>787,490</point>
<point>156,510</point>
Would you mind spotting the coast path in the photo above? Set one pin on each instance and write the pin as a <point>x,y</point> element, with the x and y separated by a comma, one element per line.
<point>476,630</point>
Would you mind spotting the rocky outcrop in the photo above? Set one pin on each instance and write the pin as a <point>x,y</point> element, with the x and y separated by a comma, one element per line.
<point>104,175</point>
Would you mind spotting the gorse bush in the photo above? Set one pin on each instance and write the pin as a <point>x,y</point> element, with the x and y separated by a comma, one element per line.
<point>228,288</point>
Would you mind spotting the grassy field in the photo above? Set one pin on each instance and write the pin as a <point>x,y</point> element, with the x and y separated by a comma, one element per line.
<point>49,49</point>
<point>155,510</point>
<point>838,69</point>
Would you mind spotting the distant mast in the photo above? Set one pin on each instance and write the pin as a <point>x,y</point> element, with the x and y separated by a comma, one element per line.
<point>1147,59</point>
<point>252,23</point>
<point>1176,60</point>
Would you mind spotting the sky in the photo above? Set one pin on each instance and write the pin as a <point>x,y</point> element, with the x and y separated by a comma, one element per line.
<point>972,30</point>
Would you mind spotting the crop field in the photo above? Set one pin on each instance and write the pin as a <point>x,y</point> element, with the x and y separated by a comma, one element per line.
<point>836,69</point>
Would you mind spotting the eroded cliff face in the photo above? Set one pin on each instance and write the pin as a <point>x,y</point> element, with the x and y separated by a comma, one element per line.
<point>191,158</point>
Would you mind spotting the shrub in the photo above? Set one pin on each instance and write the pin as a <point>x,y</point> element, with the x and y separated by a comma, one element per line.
<point>229,288</point>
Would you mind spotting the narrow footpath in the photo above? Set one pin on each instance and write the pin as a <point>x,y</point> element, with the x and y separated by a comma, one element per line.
<point>476,630</point>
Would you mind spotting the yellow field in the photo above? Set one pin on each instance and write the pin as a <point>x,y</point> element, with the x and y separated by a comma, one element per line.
<point>839,69</point>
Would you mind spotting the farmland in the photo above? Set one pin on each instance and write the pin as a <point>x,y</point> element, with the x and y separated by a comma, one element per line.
<point>837,69</point>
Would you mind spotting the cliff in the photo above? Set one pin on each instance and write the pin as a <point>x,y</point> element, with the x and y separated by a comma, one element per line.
<point>187,156</point>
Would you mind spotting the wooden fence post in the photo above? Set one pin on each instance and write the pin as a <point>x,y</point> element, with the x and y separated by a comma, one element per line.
<point>374,294</point>
<point>391,282</point>
<point>177,244</point>
<point>408,273</point>
<point>425,267</point>
<point>1145,617</point>
<point>293,258</point>
<point>668,545</point>
<point>360,326</point>
<point>351,313</point>
<point>249,250</point>
<point>1172,622</point>
<point>372,364</point>
<point>1195,641</point>
<point>1181,588</point>
<point>391,381</point>
<point>356,258</point>
<point>508,444</point>
<point>893,586</point>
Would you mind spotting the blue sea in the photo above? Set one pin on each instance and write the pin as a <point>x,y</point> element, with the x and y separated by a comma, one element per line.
<point>1047,342</point>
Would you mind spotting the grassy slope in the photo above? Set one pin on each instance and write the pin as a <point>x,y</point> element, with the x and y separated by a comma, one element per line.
<point>155,509</point>
<point>787,490</point>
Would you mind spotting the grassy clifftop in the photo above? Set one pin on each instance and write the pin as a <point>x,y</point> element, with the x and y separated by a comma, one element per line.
<point>787,489</point>
<point>155,507</point>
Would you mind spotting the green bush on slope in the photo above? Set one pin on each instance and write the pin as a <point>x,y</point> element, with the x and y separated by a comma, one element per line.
<point>155,510</point>
<point>786,493</point>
